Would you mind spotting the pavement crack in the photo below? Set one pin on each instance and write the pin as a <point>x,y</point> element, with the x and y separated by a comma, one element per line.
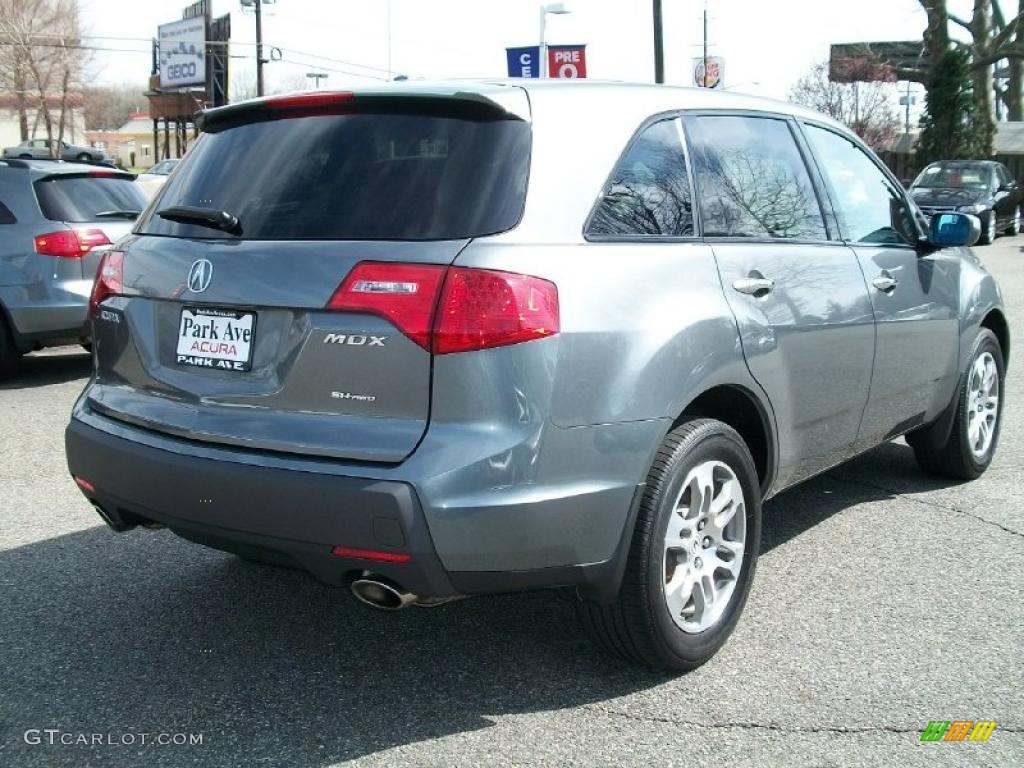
<point>778,727</point>
<point>927,503</point>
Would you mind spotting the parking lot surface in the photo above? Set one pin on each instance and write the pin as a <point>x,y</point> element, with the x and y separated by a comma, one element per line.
<point>883,599</point>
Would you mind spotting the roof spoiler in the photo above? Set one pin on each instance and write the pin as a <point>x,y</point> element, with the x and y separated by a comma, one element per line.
<point>466,104</point>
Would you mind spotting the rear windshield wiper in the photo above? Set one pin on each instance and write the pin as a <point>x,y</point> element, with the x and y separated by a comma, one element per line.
<point>204,217</point>
<point>118,214</point>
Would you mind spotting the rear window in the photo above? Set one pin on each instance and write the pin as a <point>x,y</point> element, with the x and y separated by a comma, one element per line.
<point>80,198</point>
<point>360,176</point>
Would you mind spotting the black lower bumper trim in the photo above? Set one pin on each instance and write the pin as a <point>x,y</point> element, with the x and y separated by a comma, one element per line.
<point>281,514</point>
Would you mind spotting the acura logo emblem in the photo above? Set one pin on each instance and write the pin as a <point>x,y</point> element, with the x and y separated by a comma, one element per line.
<point>200,275</point>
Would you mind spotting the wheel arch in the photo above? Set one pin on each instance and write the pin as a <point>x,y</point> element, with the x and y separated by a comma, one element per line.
<point>995,321</point>
<point>744,411</point>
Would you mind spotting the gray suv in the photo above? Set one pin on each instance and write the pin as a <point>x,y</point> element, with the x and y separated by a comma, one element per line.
<point>432,341</point>
<point>56,221</point>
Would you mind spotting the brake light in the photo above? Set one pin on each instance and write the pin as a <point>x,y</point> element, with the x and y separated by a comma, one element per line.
<point>481,309</point>
<point>109,280</point>
<point>70,243</point>
<point>405,294</point>
<point>307,100</point>
<point>452,309</point>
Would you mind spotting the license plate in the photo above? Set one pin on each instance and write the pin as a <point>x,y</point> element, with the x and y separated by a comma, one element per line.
<point>216,338</point>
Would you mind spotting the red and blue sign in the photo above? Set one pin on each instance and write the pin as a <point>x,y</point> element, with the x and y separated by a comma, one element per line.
<point>564,61</point>
<point>567,61</point>
<point>523,62</point>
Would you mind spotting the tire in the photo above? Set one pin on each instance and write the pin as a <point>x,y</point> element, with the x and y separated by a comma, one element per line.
<point>966,456</point>
<point>1014,229</point>
<point>84,158</point>
<point>988,229</point>
<point>638,625</point>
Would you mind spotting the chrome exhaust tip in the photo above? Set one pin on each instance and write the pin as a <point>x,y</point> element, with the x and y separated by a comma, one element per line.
<point>382,594</point>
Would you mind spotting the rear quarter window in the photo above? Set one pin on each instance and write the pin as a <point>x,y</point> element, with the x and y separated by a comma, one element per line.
<point>6,217</point>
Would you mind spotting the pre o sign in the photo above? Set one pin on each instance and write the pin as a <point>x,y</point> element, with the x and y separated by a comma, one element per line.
<point>567,61</point>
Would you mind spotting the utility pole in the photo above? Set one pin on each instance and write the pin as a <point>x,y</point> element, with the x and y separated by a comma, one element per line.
<point>705,39</point>
<point>316,77</point>
<point>259,47</point>
<point>907,121</point>
<point>659,45</point>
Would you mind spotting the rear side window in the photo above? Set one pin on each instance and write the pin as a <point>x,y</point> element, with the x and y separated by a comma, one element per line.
<point>752,180</point>
<point>6,217</point>
<point>362,176</point>
<point>80,198</point>
<point>649,192</point>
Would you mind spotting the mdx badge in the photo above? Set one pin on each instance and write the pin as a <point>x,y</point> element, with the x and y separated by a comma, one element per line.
<point>355,340</point>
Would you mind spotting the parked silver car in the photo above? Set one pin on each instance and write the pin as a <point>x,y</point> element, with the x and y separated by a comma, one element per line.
<point>56,220</point>
<point>430,341</point>
<point>51,149</point>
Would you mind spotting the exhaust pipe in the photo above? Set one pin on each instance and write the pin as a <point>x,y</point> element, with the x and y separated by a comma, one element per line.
<point>114,521</point>
<point>380,593</point>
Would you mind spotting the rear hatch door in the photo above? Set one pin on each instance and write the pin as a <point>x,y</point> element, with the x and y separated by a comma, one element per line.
<point>226,335</point>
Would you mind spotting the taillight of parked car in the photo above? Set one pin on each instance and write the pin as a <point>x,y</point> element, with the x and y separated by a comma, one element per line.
<point>452,309</point>
<point>109,280</point>
<point>70,243</point>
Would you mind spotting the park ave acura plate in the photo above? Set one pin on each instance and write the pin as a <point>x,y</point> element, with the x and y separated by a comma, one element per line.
<point>216,338</point>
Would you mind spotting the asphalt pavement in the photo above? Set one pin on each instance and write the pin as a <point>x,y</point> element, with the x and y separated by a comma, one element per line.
<point>883,599</point>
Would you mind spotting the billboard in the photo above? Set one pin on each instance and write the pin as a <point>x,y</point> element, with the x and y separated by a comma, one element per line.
<point>567,61</point>
<point>183,53</point>
<point>709,72</point>
<point>873,62</point>
<point>524,61</point>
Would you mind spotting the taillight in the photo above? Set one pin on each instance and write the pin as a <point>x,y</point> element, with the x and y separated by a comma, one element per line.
<point>405,294</point>
<point>452,309</point>
<point>481,309</point>
<point>109,280</point>
<point>70,243</point>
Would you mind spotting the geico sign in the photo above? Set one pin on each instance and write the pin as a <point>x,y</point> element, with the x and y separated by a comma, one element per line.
<point>181,71</point>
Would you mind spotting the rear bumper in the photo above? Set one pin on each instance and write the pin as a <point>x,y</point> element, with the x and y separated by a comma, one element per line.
<point>296,517</point>
<point>61,313</point>
<point>289,516</point>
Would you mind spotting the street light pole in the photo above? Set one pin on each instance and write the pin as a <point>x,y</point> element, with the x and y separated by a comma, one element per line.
<point>659,45</point>
<point>558,9</point>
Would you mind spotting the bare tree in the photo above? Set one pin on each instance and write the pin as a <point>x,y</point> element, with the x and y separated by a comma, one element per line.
<point>108,107</point>
<point>865,107</point>
<point>41,56</point>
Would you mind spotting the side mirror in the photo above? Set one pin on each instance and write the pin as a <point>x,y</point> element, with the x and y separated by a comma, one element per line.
<point>950,230</point>
<point>1007,187</point>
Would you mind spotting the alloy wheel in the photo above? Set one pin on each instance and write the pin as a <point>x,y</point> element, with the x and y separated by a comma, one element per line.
<point>704,545</point>
<point>982,404</point>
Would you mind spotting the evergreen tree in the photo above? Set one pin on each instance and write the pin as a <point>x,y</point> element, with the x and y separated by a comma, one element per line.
<point>950,127</point>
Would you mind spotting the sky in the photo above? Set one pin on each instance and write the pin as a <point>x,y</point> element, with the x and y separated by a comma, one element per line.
<point>766,44</point>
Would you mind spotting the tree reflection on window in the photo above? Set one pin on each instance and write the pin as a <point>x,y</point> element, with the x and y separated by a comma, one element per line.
<point>649,193</point>
<point>752,180</point>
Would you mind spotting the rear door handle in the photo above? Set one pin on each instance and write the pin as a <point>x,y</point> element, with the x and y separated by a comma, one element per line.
<point>885,282</point>
<point>754,286</point>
